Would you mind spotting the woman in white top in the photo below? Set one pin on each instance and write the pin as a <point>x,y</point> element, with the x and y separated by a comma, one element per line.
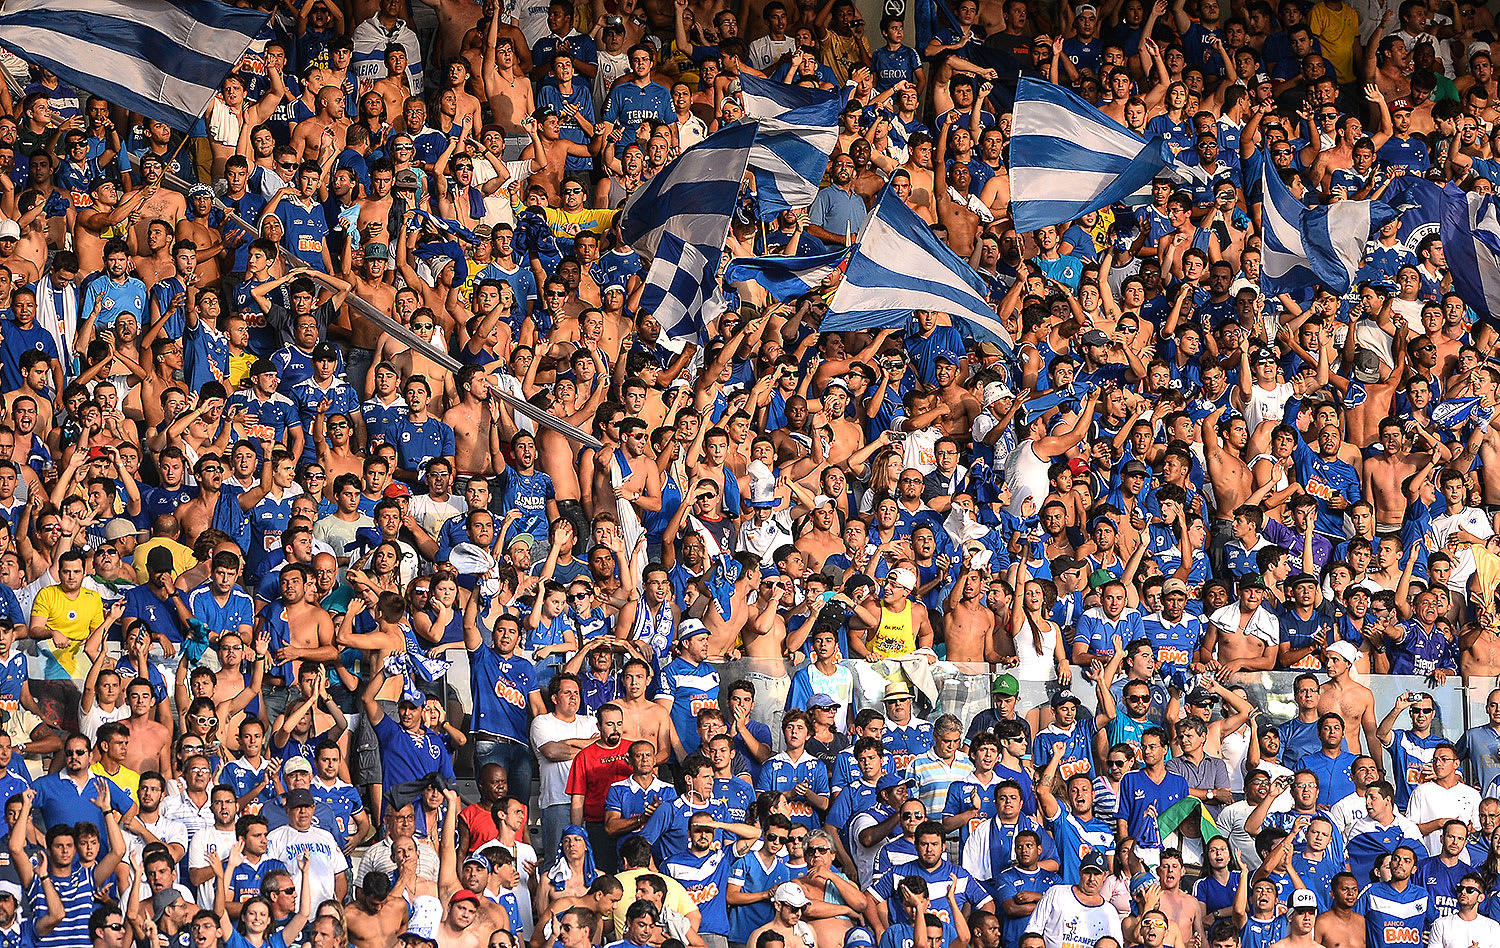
<point>1037,639</point>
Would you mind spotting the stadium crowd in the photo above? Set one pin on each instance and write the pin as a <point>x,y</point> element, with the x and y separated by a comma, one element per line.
<point>277,583</point>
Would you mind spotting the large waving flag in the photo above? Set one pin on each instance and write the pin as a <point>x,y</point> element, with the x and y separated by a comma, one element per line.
<point>1471,241</point>
<point>899,266</point>
<point>1067,158</point>
<point>1304,246</point>
<point>694,195</point>
<point>162,58</point>
<point>785,277</point>
<point>681,219</point>
<point>798,133</point>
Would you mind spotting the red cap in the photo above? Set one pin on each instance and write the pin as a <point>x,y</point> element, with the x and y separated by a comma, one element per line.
<point>97,452</point>
<point>1078,466</point>
<point>464,895</point>
<point>397,489</point>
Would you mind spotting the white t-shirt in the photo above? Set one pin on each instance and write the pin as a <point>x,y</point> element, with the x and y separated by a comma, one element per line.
<point>1430,801</point>
<point>548,728</point>
<point>1065,922</point>
<point>1450,931</point>
<point>325,860</point>
<point>209,843</point>
<point>98,717</point>
<point>765,51</point>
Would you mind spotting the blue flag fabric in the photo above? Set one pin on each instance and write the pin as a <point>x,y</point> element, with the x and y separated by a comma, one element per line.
<point>162,58</point>
<point>1471,241</point>
<point>694,195</point>
<point>1306,246</point>
<point>798,133</point>
<point>785,277</point>
<point>1067,158</point>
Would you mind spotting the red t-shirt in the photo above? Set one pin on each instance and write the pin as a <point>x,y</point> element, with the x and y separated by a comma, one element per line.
<point>594,769</point>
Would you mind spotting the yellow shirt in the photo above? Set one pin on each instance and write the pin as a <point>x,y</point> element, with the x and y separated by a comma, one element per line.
<point>127,779</point>
<point>1337,31</point>
<point>569,224</point>
<point>239,370</point>
<point>896,635</point>
<point>74,618</point>
<point>182,557</point>
<point>677,898</point>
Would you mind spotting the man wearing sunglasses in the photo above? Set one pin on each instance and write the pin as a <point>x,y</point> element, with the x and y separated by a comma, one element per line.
<point>1465,927</point>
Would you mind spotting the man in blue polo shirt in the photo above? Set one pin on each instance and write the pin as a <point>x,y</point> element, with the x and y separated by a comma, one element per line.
<point>688,684</point>
<point>409,752</point>
<point>837,213</point>
<point>1332,764</point>
<point>73,795</point>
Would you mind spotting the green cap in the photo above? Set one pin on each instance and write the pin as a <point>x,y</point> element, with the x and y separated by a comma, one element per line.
<point>1100,577</point>
<point>1005,685</point>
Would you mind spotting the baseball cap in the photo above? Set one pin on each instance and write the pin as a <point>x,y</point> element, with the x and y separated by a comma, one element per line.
<point>859,937</point>
<point>1303,900</point>
<point>1078,466</point>
<point>159,560</point>
<point>1062,698</point>
<point>887,781</point>
<point>1261,78</point>
<point>790,893</point>
<point>1095,337</point>
<point>943,355</point>
<point>1200,698</point>
<point>299,797</point>
<point>1263,354</point>
<point>1401,105</point>
<point>118,528</point>
<point>406,180</point>
<point>463,895</point>
<point>1174,585</point>
<point>821,700</point>
<point>198,191</point>
<point>1093,862</point>
<point>688,628</point>
<point>396,489</point>
<point>10,889</point>
<point>1133,467</point>
<point>478,860</point>
<point>1253,581</point>
<point>325,351</point>
<point>164,900</point>
<point>995,391</point>
<point>1297,579</point>
<point>1100,577</point>
<point>377,251</point>
<point>296,765</point>
<point>1005,684</point>
<point>1366,367</point>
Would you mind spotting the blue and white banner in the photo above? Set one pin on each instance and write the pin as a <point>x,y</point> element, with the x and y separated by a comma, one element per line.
<point>795,143</point>
<point>899,266</point>
<point>162,58</point>
<point>1305,246</point>
<point>1471,242</point>
<point>682,287</point>
<point>785,277</point>
<point>694,196</point>
<point>1067,158</point>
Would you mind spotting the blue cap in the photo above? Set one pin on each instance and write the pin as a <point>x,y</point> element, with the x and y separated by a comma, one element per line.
<point>478,860</point>
<point>859,937</point>
<point>1093,862</point>
<point>888,781</point>
<point>822,700</point>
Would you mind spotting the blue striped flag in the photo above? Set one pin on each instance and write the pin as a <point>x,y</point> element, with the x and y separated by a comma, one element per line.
<point>694,195</point>
<point>899,266</point>
<point>1471,241</point>
<point>681,219</point>
<point>785,277</point>
<point>1305,246</point>
<point>162,58</point>
<point>799,129</point>
<point>1067,158</point>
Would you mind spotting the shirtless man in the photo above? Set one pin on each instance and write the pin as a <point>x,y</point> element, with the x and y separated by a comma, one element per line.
<point>969,624</point>
<point>918,169</point>
<point>507,88</point>
<point>377,913</point>
<point>106,218</point>
<point>197,515</point>
<point>1384,473</point>
<point>476,436</point>
<point>395,88</point>
<point>1185,911</point>
<point>1348,698</point>
<point>645,720</point>
<point>207,241</point>
<point>765,634</point>
<point>1241,636</point>
<point>1341,926</point>
<point>375,209</point>
<point>156,262</point>
<point>309,626</point>
<point>819,539</point>
<point>162,204</point>
<point>962,406</point>
<point>149,740</point>
<point>556,457</point>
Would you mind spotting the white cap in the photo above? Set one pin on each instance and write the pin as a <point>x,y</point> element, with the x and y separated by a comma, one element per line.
<point>297,764</point>
<point>1303,899</point>
<point>1343,650</point>
<point>10,229</point>
<point>995,391</point>
<point>821,501</point>
<point>903,576</point>
<point>790,893</point>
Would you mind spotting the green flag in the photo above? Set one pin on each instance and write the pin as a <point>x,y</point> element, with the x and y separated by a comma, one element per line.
<point>1188,808</point>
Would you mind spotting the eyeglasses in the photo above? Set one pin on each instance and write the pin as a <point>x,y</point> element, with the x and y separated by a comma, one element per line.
<point>284,890</point>
<point>555,293</point>
<point>1422,710</point>
<point>288,165</point>
<point>336,424</point>
<point>819,850</point>
<point>114,926</point>
<point>1471,889</point>
<point>1114,764</point>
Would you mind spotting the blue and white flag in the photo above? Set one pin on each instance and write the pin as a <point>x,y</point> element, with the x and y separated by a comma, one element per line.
<point>1305,246</point>
<point>681,219</point>
<point>798,134</point>
<point>162,58</point>
<point>898,266</point>
<point>785,277</point>
<point>694,196</point>
<point>1471,242</point>
<point>1067,158</point>
<point>681,287</point>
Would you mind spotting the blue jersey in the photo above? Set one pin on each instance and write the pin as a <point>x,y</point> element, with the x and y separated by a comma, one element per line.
<point>782,773</point>
<point>906,742</point>
<point>381,419</point>
<point>1012,882</point>
<point>752,875</point>
<point>1263,933</point>
<point>307,395</point>
<point>1175,642</point>
<point>630,105</point>
<point>667,829</point>
<point>1142,800</point>
<point>529,494</point>
<point>237,611</point>
<point>691,688</point>
<point>1394,919</point>
<point>1077,747</point>
<point>406,759</point>
<point>1074,836</point>
<point>418,442</point>
<point>501,691</point>
<point>1411,762</point>
<point>968,893</point>
<point>127,296</point>
<point>737,796</point>
<point>706,879</point>
<point>306,229</point>
<point>244,882</point>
